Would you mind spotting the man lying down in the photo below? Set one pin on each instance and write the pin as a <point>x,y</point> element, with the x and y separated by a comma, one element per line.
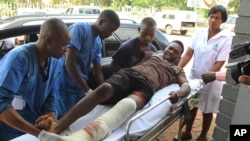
<point>130,89</point>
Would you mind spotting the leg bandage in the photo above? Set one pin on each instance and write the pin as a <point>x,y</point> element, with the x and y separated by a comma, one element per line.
<point>47,136</point>
<point>105,124</point>
<point>80,135</point>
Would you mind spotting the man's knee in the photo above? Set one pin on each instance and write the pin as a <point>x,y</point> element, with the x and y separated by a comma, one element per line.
<point>105,90</point>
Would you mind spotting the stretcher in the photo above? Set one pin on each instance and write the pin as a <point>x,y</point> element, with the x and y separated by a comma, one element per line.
<point>144,125</point>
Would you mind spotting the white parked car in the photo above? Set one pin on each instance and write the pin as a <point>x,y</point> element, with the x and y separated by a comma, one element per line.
<point>83,9</point>
<point>175,21</point>
<point>230,24</point>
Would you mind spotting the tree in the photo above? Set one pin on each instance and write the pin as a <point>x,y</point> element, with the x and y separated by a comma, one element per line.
<point>232,4</point>
<point>119,3</point>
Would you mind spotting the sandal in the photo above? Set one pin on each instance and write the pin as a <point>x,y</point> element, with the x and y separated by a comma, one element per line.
<point>186,137</point>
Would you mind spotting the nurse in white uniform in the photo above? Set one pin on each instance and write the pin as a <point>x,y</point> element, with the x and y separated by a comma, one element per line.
<point>210,48</point>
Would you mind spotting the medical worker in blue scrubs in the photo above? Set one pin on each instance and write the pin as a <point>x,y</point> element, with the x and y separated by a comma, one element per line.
<point>28,73</point>
<point>84,48</point>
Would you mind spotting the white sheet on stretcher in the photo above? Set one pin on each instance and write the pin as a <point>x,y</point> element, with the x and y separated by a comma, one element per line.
<point>138,128</point>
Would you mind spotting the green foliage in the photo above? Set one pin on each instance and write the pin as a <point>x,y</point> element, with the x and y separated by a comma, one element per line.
<point>76,2</point>
<point>55,1</point>
<point>105,2</point>
<point>118,4</point>
<point>141,3</point>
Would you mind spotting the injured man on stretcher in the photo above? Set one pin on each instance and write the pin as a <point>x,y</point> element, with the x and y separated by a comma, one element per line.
<point>129,89</point>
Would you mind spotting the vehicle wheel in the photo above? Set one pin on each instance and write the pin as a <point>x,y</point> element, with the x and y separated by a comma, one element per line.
<point>169,29</point>
<point>183,32</point>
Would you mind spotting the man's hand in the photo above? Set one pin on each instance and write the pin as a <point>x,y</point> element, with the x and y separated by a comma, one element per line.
<point>244,79</point>
<point>46,123</point>
<point>174,96</point>
<point>208,77</point>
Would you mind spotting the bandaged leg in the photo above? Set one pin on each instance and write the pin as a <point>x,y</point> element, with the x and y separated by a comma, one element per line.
<point>47,136</point>
<point>105,124</point>
<point>81,135</point>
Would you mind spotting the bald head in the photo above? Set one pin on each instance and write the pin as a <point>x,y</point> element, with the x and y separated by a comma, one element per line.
<point>53,27</point>
<point>54,37</point>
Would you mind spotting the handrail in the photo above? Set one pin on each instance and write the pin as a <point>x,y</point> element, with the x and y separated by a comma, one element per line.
<point>174,106</point>
<point>141,114</point>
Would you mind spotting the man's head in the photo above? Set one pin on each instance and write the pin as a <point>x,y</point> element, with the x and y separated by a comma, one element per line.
<point>107,23</point>
<point>173,51</point>
<point>216,16</point>
<point>147,30</point>
<point>54,37</point>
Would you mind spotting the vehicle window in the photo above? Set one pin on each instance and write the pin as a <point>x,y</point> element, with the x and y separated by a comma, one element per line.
<point>9,43</point>
<point>231,20</point>
<point>188,17</point>
<point>95,11</point>
<point>1,43</point>
<point>166,16</point>
<point>68,11</point>
<point>81,11</point>
<point>111,46</point>
<point>126,33</point>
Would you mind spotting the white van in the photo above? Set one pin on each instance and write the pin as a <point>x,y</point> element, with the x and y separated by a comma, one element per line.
<point>175,20</point>
<point>83,9</point>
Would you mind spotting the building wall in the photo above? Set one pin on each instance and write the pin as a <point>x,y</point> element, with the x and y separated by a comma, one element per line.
<point>235,106</point>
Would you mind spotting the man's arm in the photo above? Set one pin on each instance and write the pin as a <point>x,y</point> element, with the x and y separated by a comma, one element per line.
<point>184,88</point>
<point>70,63</point>
<point>214,74</point>
<point>211,76</point>
<point>98,73</point>
<point>114,67</point>
<point>186,57</point>
<point>10,117</point>
<point>244,79</point>
<point>146,56</point>
<point>49,106</point>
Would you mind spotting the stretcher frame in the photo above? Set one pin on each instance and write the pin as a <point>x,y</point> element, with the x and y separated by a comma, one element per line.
<point>174,114</point>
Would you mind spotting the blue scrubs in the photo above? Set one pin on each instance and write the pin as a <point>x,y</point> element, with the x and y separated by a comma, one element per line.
<point>89,46</point>
<point>25,86</point>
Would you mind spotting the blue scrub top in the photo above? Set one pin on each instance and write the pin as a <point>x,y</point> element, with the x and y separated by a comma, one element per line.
<point>21,74</point>
<point>89,45</point>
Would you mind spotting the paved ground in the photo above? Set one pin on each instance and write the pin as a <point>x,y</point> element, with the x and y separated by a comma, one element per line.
<point>173,129</point>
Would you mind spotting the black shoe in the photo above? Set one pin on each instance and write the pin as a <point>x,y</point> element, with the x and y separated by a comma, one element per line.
<point>183,138</point>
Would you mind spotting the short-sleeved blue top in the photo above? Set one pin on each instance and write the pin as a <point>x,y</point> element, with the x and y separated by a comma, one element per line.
<point>89,45</point>
<point>21,74</point>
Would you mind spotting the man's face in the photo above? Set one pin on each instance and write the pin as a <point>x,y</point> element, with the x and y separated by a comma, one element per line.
<point>146,33</point>
<point>172,53</point>
<point>215,20</point>
<point>58,46</point>
<point>106,29</point>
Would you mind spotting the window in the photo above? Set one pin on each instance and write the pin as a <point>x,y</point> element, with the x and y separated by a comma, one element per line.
<point>166,16</point>
<point>126,33</point>
<point>188,17</point>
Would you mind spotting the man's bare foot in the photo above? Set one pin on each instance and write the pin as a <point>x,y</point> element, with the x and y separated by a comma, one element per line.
<point>45,123</point>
